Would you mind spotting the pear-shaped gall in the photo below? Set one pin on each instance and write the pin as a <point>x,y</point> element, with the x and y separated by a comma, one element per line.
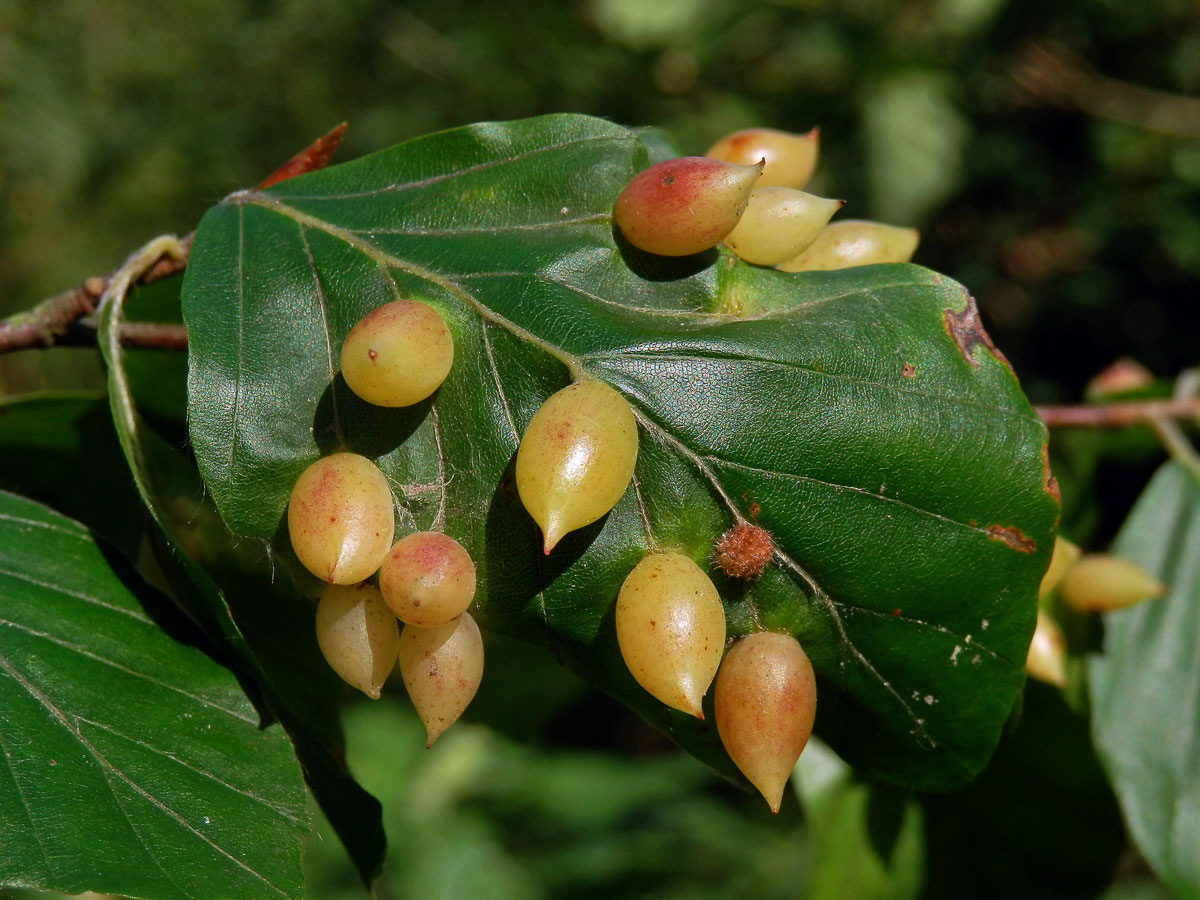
<point>1098,582</point>
<point>576,458</point>
<point>765,701</point>
<point>1064,556</point>
<point>778,224</point>
<point>790,158</point>
<point>855,242</point>
<point>398,354</point>
<point>427,579</point>
<point>671,629</point>
<point>358,635</point>
<point>683,206</point>
<point>442,668</point>
<point>1047,657</point>
<point>341,519</point>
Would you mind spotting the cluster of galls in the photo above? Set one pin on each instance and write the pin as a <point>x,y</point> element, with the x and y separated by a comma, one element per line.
<point>575,461</point>
<point>1082,583</point>
<point>745,191</point>
<point>341,521</point>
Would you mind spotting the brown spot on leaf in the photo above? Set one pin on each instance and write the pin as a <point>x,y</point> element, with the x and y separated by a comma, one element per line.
<point>1013,537</point>
<point>1049,480</point>
<point>908,371</point>
<point>966,330</point>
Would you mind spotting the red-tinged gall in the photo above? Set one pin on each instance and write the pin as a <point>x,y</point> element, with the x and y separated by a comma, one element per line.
<point>683,206</point>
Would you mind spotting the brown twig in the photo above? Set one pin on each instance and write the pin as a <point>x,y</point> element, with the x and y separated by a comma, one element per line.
<point>142,335</point>
<point>51,320</point>
<point>64,320</point>
<point>1118,415</point>
<point>1050,73</point>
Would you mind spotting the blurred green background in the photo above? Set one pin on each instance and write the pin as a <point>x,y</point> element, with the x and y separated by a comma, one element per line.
<point>1050,154</point>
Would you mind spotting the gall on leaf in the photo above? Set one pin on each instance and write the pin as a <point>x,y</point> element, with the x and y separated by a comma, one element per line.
<point>744,551</point>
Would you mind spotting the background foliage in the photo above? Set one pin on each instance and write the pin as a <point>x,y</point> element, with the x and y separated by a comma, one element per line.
<point>1070,206</point>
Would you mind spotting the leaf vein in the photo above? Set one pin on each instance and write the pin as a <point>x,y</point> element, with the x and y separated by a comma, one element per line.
<point>250,795</point>
<point>110,769</point>
<point>819,593</point>
<point>49,526</point>
<point>495,370</point>
<point>594,219</point>
<point>321,307</point>
<point>839,376</point>
<point>87,598</point>
<point>721,461</point>
<point>33,825</point>
<point>75,648</point>
<point>416,184</point>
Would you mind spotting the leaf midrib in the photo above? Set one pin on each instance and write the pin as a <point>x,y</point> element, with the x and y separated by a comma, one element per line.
<point>577,370</point>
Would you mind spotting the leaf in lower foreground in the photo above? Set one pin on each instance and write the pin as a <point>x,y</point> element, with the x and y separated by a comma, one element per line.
<point>862,416</point>
<point>134,764</point>
<point>268,641</point>
<point>1145,686</point>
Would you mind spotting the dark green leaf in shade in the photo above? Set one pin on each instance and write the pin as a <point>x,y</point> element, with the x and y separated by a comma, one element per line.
<point>1145,686</point>
<point>271,643</point>
<point>862,416</point>
<point>134,764</point>
<point>44,439</point>
<point>1040,823</point>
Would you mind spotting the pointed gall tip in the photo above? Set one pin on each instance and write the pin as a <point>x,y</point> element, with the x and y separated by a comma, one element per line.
<point>551,535</point>
<point>692,706</point>
<point>814,133</point>
<point>373,693</point>
<point>774,797</point>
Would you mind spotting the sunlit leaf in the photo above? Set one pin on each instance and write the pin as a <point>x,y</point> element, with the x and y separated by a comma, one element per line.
<point>862,416</point>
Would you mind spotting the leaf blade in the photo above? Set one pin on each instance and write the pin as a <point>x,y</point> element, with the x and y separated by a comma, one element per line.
<point>138,762</point>
<point>869,402</point>
<point>1149,751</point>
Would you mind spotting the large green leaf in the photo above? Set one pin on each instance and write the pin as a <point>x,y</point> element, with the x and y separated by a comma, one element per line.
<point>862,416</point>
<point>1145,686</point>
<point>134,764</point>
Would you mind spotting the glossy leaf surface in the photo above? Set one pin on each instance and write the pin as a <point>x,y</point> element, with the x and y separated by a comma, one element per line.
<point>1145,686</point>
<point>861,416</point>
<point>134,763</point>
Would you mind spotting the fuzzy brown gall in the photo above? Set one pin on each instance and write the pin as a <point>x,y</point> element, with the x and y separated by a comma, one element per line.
<point>744,551</point>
